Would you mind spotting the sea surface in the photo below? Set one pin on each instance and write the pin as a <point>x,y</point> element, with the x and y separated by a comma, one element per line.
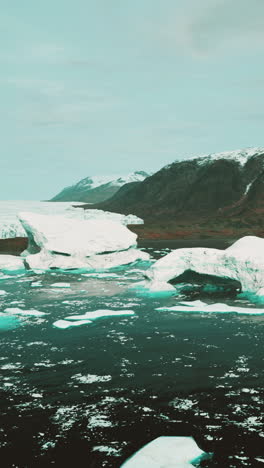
<point>91,395</point>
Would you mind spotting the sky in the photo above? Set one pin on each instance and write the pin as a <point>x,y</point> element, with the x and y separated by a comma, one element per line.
<point>98,87</point>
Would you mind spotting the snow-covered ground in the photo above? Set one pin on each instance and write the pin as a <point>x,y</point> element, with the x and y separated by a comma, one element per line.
<point>241,156</point>
<point>11,227</point>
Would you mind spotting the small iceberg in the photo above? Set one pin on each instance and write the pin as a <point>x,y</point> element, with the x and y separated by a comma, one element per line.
<point>199,306</point>
<point>167,452</point>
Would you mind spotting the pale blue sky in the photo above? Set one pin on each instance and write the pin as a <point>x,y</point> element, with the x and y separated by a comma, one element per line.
<point>92,87</point>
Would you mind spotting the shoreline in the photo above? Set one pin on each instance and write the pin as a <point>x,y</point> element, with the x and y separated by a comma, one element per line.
<point>16,245</point>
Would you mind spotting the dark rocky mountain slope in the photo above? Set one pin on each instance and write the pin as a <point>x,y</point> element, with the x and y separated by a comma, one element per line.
<point>195,189</point>
<point>219,196</point>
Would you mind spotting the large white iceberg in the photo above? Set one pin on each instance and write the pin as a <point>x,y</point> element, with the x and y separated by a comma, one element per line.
<point>61,242</point>
<point>167,452</point>
<point>11,263</point>
<point>243,262</point>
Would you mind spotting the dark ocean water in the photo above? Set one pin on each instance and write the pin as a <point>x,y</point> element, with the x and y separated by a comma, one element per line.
<point>92,395</point>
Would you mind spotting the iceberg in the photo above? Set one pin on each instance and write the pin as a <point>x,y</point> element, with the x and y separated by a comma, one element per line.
<point>11,263</point>
<point>167,452</point>
<point>243,262</point>
<point>57,242</point>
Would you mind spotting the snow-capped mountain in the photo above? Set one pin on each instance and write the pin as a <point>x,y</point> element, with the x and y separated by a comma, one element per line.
<point>97,188</point>
<point>195,189</point>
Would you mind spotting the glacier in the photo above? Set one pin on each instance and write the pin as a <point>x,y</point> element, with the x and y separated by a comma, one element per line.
<point>11,227</point>
<point>167,452</point>
<point>64,243</point>
<point>243,261</point>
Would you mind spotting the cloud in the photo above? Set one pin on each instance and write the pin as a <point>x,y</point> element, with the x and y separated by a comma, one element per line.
<point>209,26</point>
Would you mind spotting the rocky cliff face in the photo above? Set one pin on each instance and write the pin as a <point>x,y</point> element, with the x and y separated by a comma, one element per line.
<point>214,186</point>
<point>97,189</point>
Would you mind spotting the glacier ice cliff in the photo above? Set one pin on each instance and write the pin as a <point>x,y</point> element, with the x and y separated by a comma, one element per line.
<point>243,262</point>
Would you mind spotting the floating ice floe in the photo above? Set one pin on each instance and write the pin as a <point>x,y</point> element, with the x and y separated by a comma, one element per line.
<point>64,243</point>
<point>242,262</point>
<point>3,293</point>
<point>167,452</point>
<point>18,311</point>
<point>36,284</point>
<point>63,324</point>
<point>100,313</point>
<point>91,378</point>
<point>88,317</point>
<point>60,285</point>
<point>199,306</point>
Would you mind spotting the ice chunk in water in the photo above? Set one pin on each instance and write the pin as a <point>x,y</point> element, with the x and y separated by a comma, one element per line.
<point>63,324</point>
<point>99,314</point>
<point>18,311</point>
<point>60,285</point>
<point>199,306</point>
<point>167,452</point>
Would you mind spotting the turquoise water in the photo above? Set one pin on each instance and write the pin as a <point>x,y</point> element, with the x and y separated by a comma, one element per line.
<point>8,323</point>
<point>92,395</point>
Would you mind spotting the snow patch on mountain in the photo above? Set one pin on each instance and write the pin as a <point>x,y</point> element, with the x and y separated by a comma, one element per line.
<point>138,176</point>
<point>240,155</point>
<point>117,180</point>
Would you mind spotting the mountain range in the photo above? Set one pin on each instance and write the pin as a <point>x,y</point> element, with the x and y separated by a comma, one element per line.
<point>97,189</point>
<point>222,191</point>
